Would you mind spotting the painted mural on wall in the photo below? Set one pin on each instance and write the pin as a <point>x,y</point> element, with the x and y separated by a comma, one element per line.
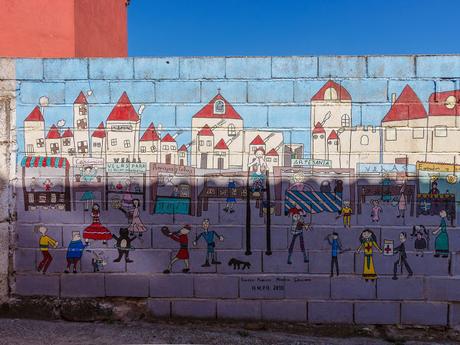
<point>132,181</point>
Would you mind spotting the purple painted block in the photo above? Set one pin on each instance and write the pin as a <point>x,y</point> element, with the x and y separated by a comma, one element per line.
<point>454,240</point>
<point>159,308</point>
<point>237,309</point>
<point>352,287</point>
<point>284,311</point>
<point>37,285</point>
<point>320,262</point>
<point>262,287</point>
<point>277,262</point>
<point>126,285</point>
<point>82,285</point>
<point>108,255</point>
<point>308,287</point>
<point>149,261</point>
<point>279,238</point>
<point>225,256</point>
<point>26,259</point>
<point>330,312</point>
<point>197,260</point>
<point>171,285</point>
<point>215,286</point>
<point>26,237</point>
<point>442,289</point>
<point>455,264</point>
<point>383,313</point>
<point>424,313</point>
<point>454,315</point>
<point>204,309</point>
<point>401,289</point>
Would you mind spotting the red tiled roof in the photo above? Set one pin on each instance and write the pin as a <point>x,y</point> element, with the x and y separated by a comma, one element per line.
<point>438,102</point>
<point>208,110</point>
<point>221,145</point>
<point>35,115</point>
<point>53,133</point>
<point>272,153</point>
<point>123,110</point>
<point>406,107</point>
<point>183,148</point>
<point>342,93</point>
<point>206,131</point>
<point>257,141</point>
<point>67,133</point>
<point>333,135</point>
<point>81,99</point>
<point>318,128</point>
<point>168,139</point>
<point>99,132</point>
<point>150,134</point>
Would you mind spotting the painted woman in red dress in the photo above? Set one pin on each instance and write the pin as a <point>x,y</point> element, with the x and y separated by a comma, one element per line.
<point>96,231</point>
<point>182,254</point>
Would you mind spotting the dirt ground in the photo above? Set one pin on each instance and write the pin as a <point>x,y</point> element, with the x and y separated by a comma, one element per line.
<point>33,332</point>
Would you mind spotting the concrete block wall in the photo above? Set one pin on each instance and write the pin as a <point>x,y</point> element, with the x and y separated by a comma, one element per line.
<point>271,94</point>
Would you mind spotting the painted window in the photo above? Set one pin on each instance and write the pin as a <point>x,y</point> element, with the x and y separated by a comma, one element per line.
<point>450,102</point>
<point>201,142</point>
<point>315,136</point>
<point>40,142</point>
<point>219,107</point>
<point>95,144</point>
<point>173,147</point>
<point>208,143</point>
<point>66,142</point>
<point>127,143</point>
<point>82,146</point>
<point>30,148</point>
<point>54,148</point>
<point>330,94</point>
<point>231,130</point>
<point>418,133</point>
<point>113,142</point>
<point>268,159</point>
<point>153,148</point>
<point>390,134</point>
<point>275,160</point>
<point>82,110</point>
<point>82,124</point>
<point>165,147</point>
<point>345,120</point>
<point>364,140</point>
<point>143,149</point>
<point>440,131</point>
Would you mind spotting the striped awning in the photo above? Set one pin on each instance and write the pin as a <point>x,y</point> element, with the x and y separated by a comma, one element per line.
<point>45,162</point>
<point>312,202</point>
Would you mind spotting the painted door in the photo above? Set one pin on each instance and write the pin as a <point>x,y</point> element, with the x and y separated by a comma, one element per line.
<point>168,158</point>
<point>220,163</point>
<point>204,161</point>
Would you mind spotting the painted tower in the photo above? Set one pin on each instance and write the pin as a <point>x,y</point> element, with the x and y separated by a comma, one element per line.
<point>81,126</point>
<point>34,133</point>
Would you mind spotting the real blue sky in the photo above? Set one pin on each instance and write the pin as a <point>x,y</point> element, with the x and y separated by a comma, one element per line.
<point>292,27</point>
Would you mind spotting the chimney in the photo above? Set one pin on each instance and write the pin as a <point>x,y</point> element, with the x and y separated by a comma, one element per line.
<point>393,98</point>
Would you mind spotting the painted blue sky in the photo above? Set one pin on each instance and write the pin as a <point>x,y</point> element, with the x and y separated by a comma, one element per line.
<point>290,27</point>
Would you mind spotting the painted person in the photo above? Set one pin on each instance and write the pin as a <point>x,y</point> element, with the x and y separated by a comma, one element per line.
<point>74,252</point>
<point>298,225</point>
<point>136,226</point>
<point>258,166</point>
<point>96,231</point>
<point>183,254</point>
<point>231,200</point>
<point>402,257</point>
<point>346,213</point>
<point>376,210</point>
<point>368,242</point>
<point>336,247</point>
<point>209,237</point>
<point>422,239</point>
<point>441,243</point>
<point>402,203</point>
<point>45,242</point>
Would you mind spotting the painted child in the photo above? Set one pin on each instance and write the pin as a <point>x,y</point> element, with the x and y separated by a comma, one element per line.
<point>368,242</point>
<point>376,209</point>
<point>336,247</point>
<point>183,254</point>
<point>231,200</point>
<point>74,251</point>
<point>422,239</point>
<point>45,242</point>
<point>441,244</point>
<point>402,257</point>
<point>48,185</point>
<point>209,236</point>
<point>297,228</point>
<point>96,231</point>
<point>136,226</point>
<point>346,213</point>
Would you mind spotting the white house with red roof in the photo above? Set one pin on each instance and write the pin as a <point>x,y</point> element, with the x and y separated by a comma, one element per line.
<point>168,152</point>
<point>34,133</point>
<point>99,142</point>
<point>183,155</point>
<point>53,142</point>
<point>68,144</point>
<point>149,145</point>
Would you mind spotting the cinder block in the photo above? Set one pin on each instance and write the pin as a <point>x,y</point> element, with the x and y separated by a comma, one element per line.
<point>138,91</point>
<point>159,308</point>
<point>271,91</point>
<point>401,289</point>
<point>225,256</point>
<point>294,66</point>
<point>442,288</point>
<point>25,259</point>
<point>308,287</point>
<point>7,69</point>
<point>279,238</point>
<point>366,90</point>
<point>100,88</point>
<point>342,66</point>
<point>454,315</point>
<point>379,313</point>
<point>248,67</point>
<point>177,91</point>
<point>263,287</point>
<point>320,262</point>
<point>108,254</point>
<point>202,67</point>
<point>201,309</point>
<point>149,261</point>
<point>114,68</point>
<point>215,286</point>
<point>59,69</point>
<point>330,312</point>
<point>238,309</point>
<point>82,285</point>
<point>171,285</point>
<point>438,66</point>
<point>285,116</point>
<point>277,262</point>
<point>352,287</point>
<point>424,313</point>
<point>29,69</point>
<point>284,311</point>
<point>31,91</point>
<point>391,66</point>
<point>156,68</point>
<point>126,285</point>
<point>37,285</point>
<point>232,91</point>
<point>304,90</point>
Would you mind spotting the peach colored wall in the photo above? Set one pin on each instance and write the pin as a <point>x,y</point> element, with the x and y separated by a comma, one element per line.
<point>64,28</point>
